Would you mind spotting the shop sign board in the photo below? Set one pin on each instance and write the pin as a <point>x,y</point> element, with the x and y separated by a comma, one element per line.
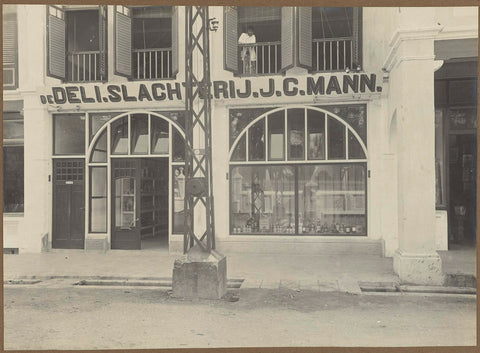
<point>327,85</point>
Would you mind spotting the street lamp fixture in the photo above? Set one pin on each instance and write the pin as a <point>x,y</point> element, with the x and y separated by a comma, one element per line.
<point>213,24</point>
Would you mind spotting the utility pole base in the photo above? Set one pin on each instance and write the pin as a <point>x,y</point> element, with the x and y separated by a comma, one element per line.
<point>199,274</point>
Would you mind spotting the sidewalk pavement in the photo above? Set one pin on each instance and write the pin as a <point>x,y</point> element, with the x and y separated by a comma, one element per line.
<point>317,272</point>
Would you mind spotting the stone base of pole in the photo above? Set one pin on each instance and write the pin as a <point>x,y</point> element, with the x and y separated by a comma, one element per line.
<point>424,269</point>
<point>198,274</point>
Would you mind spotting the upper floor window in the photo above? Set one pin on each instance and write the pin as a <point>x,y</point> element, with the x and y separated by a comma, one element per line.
<point>335,35</point>
<point>146,42</point>
<point>77,43</point>
<point>261,40</point>
<point>10,47</point>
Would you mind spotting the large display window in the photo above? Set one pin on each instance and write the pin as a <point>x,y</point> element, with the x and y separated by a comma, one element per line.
<point>299,171</point>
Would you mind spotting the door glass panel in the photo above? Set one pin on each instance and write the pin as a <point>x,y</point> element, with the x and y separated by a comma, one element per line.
<point>336,139</point>
<point>276,136</point>
<point>178,153</point>
<point>119,131</point>
<point>99,153</point>
<point>125,203</point>
<point>316,134</point>
<point>296,133</point>
<point>160,139</point>
<point>355,150</point>
<point>97,120</point>
<point>256,141</point>
<point>239,153</point>
<point>98,199</point>
<point>139,134</point>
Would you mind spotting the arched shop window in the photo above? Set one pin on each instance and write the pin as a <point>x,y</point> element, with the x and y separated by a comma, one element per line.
<point>135,134</point>
<point>299,171</point>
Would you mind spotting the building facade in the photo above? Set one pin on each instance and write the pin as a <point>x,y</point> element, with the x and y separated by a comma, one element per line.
<point>335,130</point>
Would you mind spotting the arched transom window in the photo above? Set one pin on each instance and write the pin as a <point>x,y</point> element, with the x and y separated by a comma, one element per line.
<point>298,171</point>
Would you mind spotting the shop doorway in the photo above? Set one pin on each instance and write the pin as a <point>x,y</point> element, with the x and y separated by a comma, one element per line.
<point>140,203</point>
<point>462,189</point>
<point>68,230</point>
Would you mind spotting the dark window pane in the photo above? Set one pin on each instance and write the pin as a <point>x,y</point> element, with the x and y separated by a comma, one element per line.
<point>239,154</point>
<point>276,136</point>
<point>160,140</point>
<point>139,134</point>
<point>13,129</point>
<point>462,118</point>
<point>336,139</point>
<point>331,199</point>
<point>296,133</point>
<point>440,92</point>
<point>13,172</point>
<point>263,200</point>
<point>69,134</point>
<point>256,143</point>
<point>316,134</point>
<point>178,146</point>
<point>178,198</point>
<point>355,150</point>
<point>332,22</point>
<point>99,153</point>
<point>119,138</point>
<point>462,92</point>
<point>82,30</point>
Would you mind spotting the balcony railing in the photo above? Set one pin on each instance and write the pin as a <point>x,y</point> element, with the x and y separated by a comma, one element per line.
<point>332,54</point>
<point>260,58</point>
<point>152,63</point>
<point>83,66</point>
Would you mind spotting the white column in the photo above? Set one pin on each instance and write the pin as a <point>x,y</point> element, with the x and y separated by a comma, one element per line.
<point>412,94</point>
<point>38,141</point>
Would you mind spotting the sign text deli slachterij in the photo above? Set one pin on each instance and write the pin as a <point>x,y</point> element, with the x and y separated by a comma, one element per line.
<point>232,89</point>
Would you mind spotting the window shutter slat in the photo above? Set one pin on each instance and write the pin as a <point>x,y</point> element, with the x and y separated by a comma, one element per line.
<point>102,35</point>
<point>174,41</point>
<point>305,37</point>
<point>9,39</point>
<point>56,45</point>
<point>230,16</point>
<point>287,39</point>
<point>123,44</point>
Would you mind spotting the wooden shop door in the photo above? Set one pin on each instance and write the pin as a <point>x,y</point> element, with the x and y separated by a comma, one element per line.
<point>68,230</point>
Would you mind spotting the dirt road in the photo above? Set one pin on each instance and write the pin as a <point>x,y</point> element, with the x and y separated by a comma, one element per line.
<point>105,318</point>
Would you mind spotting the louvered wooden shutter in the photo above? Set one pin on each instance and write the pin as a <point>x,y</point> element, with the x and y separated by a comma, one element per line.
<point>174,41</point>
<point>102,35</point>
<point>305,37</point>
<point>56,42</point>
<point>287,39</point>
<point>357,23</point>
<point>123,41</point>
<point>230,20</point>
<point>10,47</point>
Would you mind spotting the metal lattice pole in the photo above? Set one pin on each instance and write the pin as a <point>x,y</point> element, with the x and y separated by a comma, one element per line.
<point>198,146</point>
